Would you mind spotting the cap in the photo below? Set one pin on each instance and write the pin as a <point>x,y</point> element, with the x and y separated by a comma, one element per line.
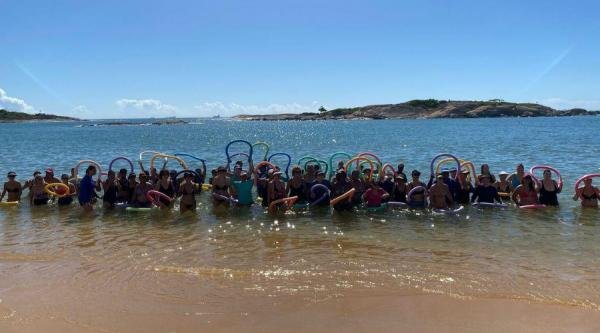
<point>503,173</point>
<point>452,169</point>
<point>131,174</point>
<point>50,171</point>
<point>12,174</point>
<point>445,170</point>
<point>123,171</point>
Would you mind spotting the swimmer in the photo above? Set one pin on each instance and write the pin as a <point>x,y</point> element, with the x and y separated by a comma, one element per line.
<point>418,199</point>
<point>400,170</point>
<point>548,189</point>
<point>588,194</point>
<point>296,186</point>
<point>276,187</point>
<point>187,190</point>
<point>516,178</point>
<point>439,194</point>
<point>241,188</point>
<point>49,177</point>
<point>221,184</point>
<point>464,188</point>
<point>37,194</point>
<point>166,187</point>
<point>400,188</point>
<point>485,170</point>
<point>526,193</point>
<point>12,187</point>
<point>68,198</point>
<point>503,185</point>
<point>374,195</point>
<point>359,185</point>
<point>139,198</point>
<point>110,188</point>
<point>485,191</point>
<point>123,193</point>
<point>87,189</point>
<point>341,185</point>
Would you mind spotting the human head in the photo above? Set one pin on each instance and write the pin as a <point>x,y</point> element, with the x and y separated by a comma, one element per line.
<point>587,181</point>
<point>221,170</point>
<point>65,178</point>
<point>464,173</point>
<point>296,172</point>
<point>355,174</point>
<point>547,174</point>
<point>143,177</point>
<point>484,180</point>
<point>111,174</point>
<point>91,170</point>
<point>415,174</point>
<point>527,181</point>
<point>163,174</point>
<point>123,173</point>
<point>401,167</point>
<point>503,175</point>
<point>340,175</point>
<point>12,175</point>
<point>520,169</point>
<point>49,172</point>
<point>131,177</point>
<point>485,169</point>
<point>445,174</point>
<point>320,175</point>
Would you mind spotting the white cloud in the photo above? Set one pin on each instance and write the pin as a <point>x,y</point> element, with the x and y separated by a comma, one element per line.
<point>208,109</point>
<point>145,108</point>
<point>13,103</point>
<point>563,104</point>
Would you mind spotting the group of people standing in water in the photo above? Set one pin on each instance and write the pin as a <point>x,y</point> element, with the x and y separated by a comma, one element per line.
<point>309,186</point>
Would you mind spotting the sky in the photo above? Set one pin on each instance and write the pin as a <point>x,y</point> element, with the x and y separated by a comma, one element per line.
<point>126,59</point>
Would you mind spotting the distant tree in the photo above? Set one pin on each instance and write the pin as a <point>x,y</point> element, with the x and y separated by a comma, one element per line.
<point>322,109</point>
<point>424,103</point>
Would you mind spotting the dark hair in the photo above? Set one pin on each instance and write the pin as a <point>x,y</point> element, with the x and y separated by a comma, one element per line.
<point>162,173</point>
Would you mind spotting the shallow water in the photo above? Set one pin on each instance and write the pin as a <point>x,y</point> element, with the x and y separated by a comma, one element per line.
<point>163,261</point>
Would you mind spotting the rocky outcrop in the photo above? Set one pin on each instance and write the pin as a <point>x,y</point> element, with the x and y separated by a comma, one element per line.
<point>430,109</point>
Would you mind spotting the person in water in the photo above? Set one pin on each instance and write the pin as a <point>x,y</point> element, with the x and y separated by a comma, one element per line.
<point>38,195</point>
<point>485,191</point>
<point>187,190</point>
<point>341,185</point>
<point>440,196</point>
<point>131,186</point>
<point>418,199</point>
<point>165,186</point>
<point>221,185</point>
<point>485,170</point>
<point>111,190</point>
<point>400,170</point>
<point>310,174</point>
<point>72,191</point>
<point>49,177</point>
<point>359,185</point>
<point>320,191</point>
<point>588,194</point>
<point>87,188</point>
<point>526,193</point>
<point>517,178</point>
<point>276,188</point>
<point>464,188</point>
<point>12,187</point>
<point>139,197</point>
<point>400,188</point>
<point>296,187</point>
<point>503,186</point>
<point>548,189</point>
<point>123,193</point>
<point>374,195</point>
<point>386,182</point>
<point>242,188</point>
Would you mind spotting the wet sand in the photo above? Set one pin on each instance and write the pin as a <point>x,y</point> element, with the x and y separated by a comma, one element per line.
<point>363,311</point>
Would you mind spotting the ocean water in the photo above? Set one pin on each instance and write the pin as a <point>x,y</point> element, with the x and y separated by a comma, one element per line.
<point>116,262</point>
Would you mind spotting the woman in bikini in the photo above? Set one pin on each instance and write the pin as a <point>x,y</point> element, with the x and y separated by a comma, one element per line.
<point>187,190</point>
<point>165,186</point>
<point>526,193</point>
<point>588,194</point>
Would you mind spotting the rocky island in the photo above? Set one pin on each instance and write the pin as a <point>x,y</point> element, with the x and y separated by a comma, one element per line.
<point>10,116</point>
<point>429,109</point>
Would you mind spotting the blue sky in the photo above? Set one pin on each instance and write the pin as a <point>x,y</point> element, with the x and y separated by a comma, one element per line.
<point>119,59</point>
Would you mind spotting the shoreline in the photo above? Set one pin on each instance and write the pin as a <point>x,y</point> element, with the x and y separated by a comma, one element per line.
<point>359,311</point>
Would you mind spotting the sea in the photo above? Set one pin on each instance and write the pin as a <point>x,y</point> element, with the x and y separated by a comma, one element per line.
<point>161,261</point>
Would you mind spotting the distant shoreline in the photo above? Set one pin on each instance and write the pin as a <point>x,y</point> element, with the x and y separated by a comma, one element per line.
<point>428,109</point>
